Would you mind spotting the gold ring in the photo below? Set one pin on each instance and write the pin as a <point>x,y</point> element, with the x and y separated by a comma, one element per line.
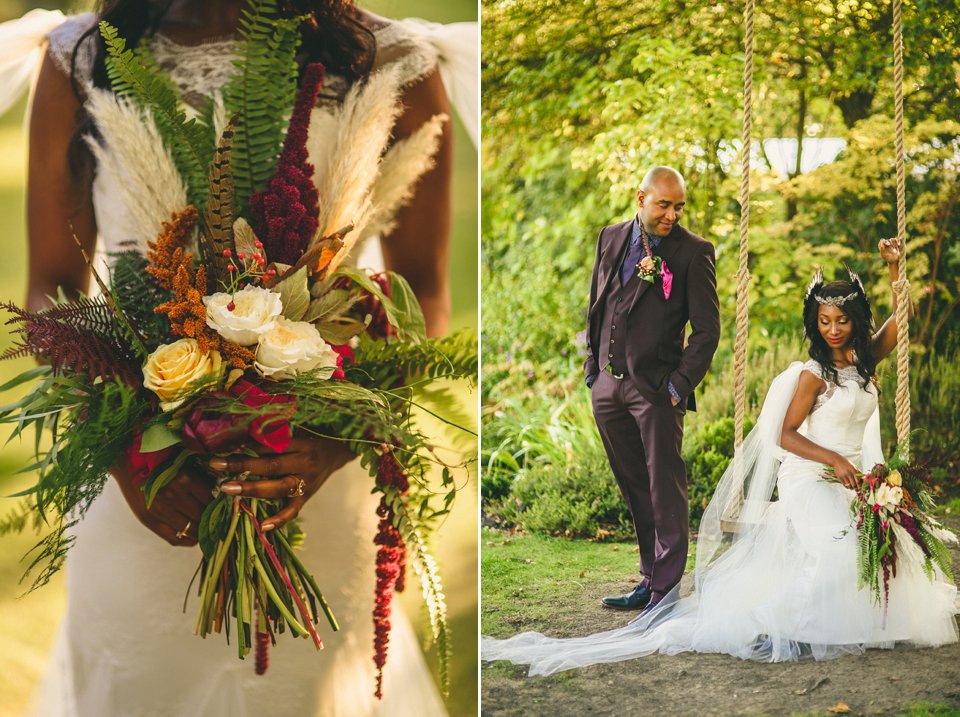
<point>181,534</point>
<point>297,491</point>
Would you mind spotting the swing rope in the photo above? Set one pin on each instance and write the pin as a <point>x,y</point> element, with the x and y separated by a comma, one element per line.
<point>901,287</point>
<point>743,270</point>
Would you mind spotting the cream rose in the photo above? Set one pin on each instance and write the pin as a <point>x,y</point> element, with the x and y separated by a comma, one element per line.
<point>173,367</point>
<point>254,311</point>
<point>889,497</point>
<point>292,347</point>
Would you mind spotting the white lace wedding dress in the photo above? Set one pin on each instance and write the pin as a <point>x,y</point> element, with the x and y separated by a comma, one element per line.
<point>127,648</point>
<point>786,586</point>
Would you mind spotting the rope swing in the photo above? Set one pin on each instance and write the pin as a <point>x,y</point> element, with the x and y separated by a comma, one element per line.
<point>901,287</point>
<point>743,270</point>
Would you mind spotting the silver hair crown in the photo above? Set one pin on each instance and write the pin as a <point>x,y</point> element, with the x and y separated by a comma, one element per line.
<point>834,300</point>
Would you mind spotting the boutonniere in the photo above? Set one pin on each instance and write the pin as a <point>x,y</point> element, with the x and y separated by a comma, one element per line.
<point>652,266</point>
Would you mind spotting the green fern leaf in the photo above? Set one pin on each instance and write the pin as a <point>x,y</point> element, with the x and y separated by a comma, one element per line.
<point>261,95</point>
<point>135,75</point>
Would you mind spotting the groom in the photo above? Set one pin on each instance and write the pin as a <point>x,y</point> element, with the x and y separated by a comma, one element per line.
<point>641,377</point>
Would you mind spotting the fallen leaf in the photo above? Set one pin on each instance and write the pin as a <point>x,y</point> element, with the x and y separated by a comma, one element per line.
<point>614,547</point>
<point>582,573</point>
<point>841,708</point>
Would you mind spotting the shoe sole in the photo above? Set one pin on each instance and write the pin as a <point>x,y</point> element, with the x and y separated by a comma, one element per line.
<point>617,607</point>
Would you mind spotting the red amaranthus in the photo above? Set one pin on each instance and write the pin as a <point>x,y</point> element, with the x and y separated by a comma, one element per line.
<point>391,562</point>
<point>285,213</point>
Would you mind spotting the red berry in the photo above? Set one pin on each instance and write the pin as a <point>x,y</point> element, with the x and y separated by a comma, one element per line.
<point>241,255</point>
<point>231,267</point>
<point>231,306</point>
<point>227,253</point>
<point>258,244</point>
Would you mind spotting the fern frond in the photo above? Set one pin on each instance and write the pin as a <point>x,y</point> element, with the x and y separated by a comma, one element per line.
<point>134,75</point>
<point>426,569</point>
<point>262,94</point>
<point>939,553</point>
<point>454,356</point>
<point>91,424</point>
<point>83,336</point>
<point>137,294</point>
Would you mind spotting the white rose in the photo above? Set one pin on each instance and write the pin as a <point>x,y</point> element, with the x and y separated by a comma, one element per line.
<point>254,311</point>
<point>173,367</point>
<point>889,497</point>
<point>896,496</point>
<point>292,347</point>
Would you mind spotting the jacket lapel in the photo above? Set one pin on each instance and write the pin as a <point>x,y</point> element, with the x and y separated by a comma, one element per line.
<point>612,259</point>
<point>667,249</point>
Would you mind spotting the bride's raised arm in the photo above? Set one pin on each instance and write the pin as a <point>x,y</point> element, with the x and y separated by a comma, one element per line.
<point>885,340</point>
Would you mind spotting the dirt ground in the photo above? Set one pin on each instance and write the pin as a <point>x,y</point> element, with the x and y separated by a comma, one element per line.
<point>880,682</point>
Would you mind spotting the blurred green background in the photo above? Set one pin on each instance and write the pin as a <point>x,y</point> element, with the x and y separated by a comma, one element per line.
<point>28,624</point>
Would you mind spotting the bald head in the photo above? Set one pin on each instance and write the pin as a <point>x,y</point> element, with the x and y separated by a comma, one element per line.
<point>661,174</point>
<point>661,199</point>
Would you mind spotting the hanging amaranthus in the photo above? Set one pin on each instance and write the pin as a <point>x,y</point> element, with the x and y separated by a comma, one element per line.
<point>391,561</point>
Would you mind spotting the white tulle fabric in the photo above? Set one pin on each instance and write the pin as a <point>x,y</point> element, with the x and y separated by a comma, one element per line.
<point>775,580</point>
<point>126,647</point>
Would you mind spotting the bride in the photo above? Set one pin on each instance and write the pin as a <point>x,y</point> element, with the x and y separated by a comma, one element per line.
<point>786,587</point>
<point>126,646</point>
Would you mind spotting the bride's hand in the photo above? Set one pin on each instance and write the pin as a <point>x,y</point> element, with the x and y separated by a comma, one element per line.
<point>845,472</point>
<point>175,512</point>
<point>890,250</point>
<point>304,467</point>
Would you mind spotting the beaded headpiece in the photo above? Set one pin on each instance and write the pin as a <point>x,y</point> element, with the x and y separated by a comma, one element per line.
<point>815,286</point>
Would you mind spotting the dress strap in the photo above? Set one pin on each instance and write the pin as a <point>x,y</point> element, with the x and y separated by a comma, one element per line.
<point>21,51</point>
<point>66,38</point>
<point>415,47</point>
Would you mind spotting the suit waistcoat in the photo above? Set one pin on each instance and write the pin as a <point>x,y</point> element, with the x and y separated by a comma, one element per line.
<point>612,349</point>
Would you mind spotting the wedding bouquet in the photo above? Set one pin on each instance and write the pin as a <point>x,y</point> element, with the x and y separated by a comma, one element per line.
<point>892,506</point>
<point>239,327</point>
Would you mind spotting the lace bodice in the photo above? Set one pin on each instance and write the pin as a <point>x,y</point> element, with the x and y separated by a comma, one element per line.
<point>840,414</point>
<point>201,69</point>
<point>362,178</point>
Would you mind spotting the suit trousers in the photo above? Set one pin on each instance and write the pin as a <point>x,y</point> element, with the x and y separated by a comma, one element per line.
<point>643,443</point>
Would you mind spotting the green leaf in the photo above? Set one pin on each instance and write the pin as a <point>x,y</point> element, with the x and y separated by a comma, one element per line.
<point>154,484</point>
<point>333,302</point>
<point>157,437</point>
<point>340,332</point>
<point>408,308</point>
<point>294,294</point>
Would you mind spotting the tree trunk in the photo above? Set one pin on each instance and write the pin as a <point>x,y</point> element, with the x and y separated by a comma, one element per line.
<point>801,130</point>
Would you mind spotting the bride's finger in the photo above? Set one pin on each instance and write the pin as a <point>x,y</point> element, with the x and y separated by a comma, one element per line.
<point>283,464</point>
<point>282,517</point>
<point>286,487</point>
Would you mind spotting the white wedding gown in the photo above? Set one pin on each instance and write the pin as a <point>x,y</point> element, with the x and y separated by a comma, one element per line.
<point>126,647</point>
<point>785,587</point>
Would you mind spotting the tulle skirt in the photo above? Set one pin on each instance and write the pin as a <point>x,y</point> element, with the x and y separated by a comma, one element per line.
<point>788,592</point>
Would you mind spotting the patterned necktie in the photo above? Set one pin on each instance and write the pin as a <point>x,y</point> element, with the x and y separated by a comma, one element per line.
<point>635,252</point>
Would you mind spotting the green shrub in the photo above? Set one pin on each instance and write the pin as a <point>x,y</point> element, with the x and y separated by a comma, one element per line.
<point>578,501</point>
<point>707,451</point>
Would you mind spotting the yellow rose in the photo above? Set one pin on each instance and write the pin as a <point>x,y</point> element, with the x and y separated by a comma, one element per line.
<point>894,479</point>
<point>173,367</point>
